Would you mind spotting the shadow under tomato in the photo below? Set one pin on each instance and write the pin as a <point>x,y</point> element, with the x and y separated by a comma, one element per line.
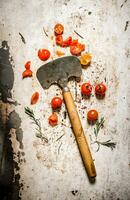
<point>56,110</point>
<point>86,96</point>
<point>100,96</point>
<point>91,122</point>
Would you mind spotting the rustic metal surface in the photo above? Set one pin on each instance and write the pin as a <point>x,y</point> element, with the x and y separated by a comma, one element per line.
<point>54,170</point>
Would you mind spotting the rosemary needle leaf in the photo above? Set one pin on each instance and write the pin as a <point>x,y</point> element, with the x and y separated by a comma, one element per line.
<point>28,110</point>
<point>98,147</point>
<point>108,143</point>
<point>38,135</point>
<point>45,139</point>
<point>95,132</point>
<point>98,125</point>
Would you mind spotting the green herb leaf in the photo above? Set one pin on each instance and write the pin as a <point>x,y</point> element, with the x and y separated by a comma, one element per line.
<point>108,143</point>
<point>37,122</point>
<point>98,125</point>
<point>95,132</point>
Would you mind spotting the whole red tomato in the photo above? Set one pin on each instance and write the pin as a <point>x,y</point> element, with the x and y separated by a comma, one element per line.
<point>100,89</point>
<point>56,102</point>
<point>92,115</point>
<point>86,88</point>
<point>58,29</point>
<point>43,54</point>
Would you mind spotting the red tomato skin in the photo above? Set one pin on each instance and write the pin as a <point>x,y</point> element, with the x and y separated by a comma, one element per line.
<point>27,65</point>
<point>67,42</point>
<point>100,89</point>
<point>77,49</point>
<point>59,29</point>
<point>74,42</point>
<point>86,88</point>
<point>34,98</point>
<point>43,54</point>
<point>27,73</point>
<point>56,102</point>
<point>59,40</point>
<point>92,115</point>
<point>53,119</point>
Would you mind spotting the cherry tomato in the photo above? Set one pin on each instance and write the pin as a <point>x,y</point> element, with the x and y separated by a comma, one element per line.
<point>34,98</point>
<point>59,29</point>
<point>63,43</point>
<point>43,54</point>
<point>77,49</point>
<point>92,115</point>
<point>67,42</point>
<point>59,40</point>
<point>27,65</point>
<point>74,42</point>
<point>100,89</point>
<point>53,119</point>
<point>86,88</point>
<point>56,102</point>
<point>27,73</point>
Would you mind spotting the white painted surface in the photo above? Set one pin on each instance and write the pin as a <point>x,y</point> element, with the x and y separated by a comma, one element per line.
<point>47,174</point>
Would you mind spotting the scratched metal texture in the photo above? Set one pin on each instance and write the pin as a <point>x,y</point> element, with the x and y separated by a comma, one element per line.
<point>54,170</point>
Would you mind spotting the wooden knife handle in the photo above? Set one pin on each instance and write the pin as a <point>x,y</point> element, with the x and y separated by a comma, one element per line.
<point>79,134</point>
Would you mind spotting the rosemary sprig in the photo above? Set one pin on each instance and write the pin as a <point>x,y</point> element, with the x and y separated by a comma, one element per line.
<point>108,143</point>
<point>37,122</point>
<point>99,124</point>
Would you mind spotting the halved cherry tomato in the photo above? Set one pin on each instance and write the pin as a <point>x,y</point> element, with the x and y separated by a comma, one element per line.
<point>92,115</point>
<point>34,98</point>
<point>76,49</point>
<point>43,54</point>
<point>59,29</point>
<point>27,65</point>
<point>63,43</point>
<point>56,102</point>
<point>67,42</point>
<point>74,42</point>
<point>100,89</point>
<point>53,119</point>
<point>27,73</point>
<point>86,88</point>
<point>59,40</point>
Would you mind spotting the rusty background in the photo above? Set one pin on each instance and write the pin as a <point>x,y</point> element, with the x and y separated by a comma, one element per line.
<point>31,169</point>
